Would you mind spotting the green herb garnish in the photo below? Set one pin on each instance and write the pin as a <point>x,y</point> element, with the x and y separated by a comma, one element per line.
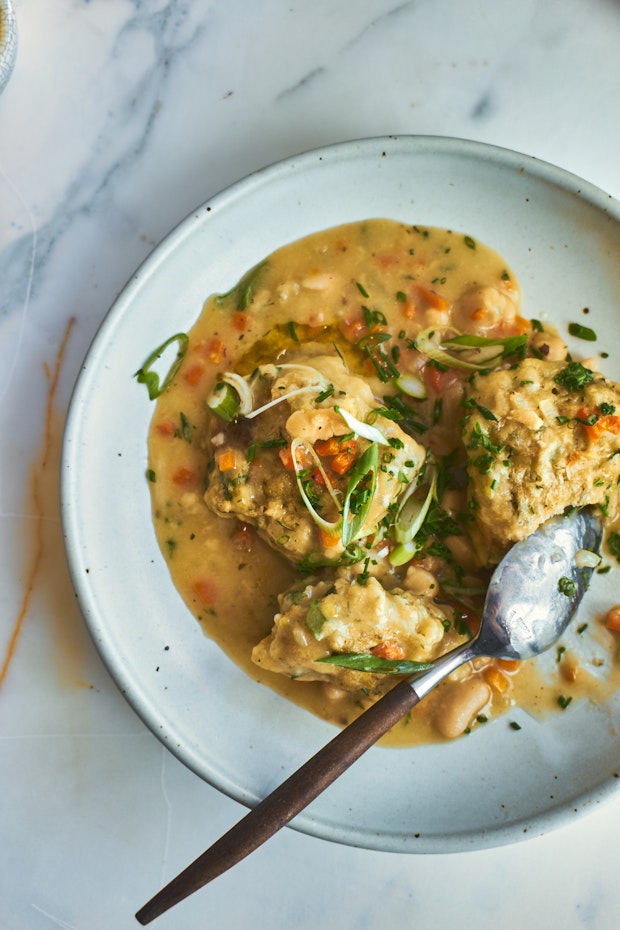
<point>366,662</point>
<point>241,294</point>
<point>567,586</point>
<point>574,376</point>
<point>582,332</point>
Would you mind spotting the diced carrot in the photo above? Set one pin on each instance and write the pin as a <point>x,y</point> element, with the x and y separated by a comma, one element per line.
<point>604,424</point>
<point>432,298</point>
<point>328,540</point>
<point>349,445</point>
<point>329,446</point>
<point>206,591</point>
<point>342,462</point>
<point>409,310</point>
<point>166,428</point>
<point>226,460</point>
<point>193,374</point>
<point>388,651</point>
<point>240,320</point>
<point>184,477</point>
<point>612,620</point>
<point>496,679</point>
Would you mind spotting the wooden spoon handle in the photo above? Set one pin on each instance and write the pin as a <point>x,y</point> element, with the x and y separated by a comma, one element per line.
<point>291,797</point>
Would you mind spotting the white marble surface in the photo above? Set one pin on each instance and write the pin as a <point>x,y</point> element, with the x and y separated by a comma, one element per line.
<point>120,117</point>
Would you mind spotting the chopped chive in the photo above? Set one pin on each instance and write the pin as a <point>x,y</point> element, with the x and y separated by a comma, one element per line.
<point>582,332</point>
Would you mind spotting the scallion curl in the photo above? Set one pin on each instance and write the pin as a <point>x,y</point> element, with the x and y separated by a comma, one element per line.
<point>488,350</point>
<point>357,504</point>
<point>144,375</point>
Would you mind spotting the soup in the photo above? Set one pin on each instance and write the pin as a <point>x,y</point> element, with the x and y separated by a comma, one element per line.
<point>346,444</point>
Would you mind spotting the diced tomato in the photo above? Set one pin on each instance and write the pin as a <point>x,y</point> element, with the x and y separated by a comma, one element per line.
<point>193,375</point>
<point>286,457</point>
<point>438,381</point>
<point>212,349</point>
<point>206,591</point>
<point>240,320</point>
<point>317,477</point>
<point>353,329</point>
<point>184,477</point>
<point>387,259</point>
<point>166,428</point>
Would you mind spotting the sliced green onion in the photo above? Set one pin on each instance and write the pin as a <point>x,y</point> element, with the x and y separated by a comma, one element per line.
<point>352,523</point>
<point>315,619</point>
<point>315,560</point>
<point>366,662</point>
<point>428,343</point>
<point>412,386</point>
<point>330,526</point>
<point>242,292</point>
<point>403,553</point>
<point>224,402</point>
<point>144,375</point>
<point>587,558</point>
<point>412,512</point>
<point>371,433</point>
<point>582,332</point>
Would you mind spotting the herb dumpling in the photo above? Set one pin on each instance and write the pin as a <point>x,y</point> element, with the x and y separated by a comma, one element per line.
<point>340,616</point>
<point>308,458</point>
<point>540,437</point>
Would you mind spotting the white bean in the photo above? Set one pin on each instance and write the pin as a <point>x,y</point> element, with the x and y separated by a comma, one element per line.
<point>460,705</point>
<point>552,347</point>
<point>333,693</point>
<point>420,581</point>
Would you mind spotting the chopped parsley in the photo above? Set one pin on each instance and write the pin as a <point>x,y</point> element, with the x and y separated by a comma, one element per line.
<point>574,376</point>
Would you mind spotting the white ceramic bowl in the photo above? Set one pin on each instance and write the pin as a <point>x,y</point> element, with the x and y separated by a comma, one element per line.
<point>561,237</point>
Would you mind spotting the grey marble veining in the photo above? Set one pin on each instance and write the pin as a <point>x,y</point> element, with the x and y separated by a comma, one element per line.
<point>120,117</point>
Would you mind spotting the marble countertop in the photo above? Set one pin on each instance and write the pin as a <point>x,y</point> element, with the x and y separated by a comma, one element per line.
<point>120,117</point>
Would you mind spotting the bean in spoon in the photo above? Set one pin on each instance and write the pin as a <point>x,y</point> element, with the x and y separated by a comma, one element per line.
<point>532,596</point>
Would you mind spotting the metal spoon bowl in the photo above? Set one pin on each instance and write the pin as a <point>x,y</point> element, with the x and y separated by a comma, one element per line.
<point>532,597</point>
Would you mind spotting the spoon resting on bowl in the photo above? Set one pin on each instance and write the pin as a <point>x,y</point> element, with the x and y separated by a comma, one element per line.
<point>532,596</point>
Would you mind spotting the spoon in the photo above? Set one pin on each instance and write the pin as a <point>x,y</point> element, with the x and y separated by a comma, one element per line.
<point>533,594</point>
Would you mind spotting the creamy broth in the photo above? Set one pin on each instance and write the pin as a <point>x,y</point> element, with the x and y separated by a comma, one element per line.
<point>363,292</point>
